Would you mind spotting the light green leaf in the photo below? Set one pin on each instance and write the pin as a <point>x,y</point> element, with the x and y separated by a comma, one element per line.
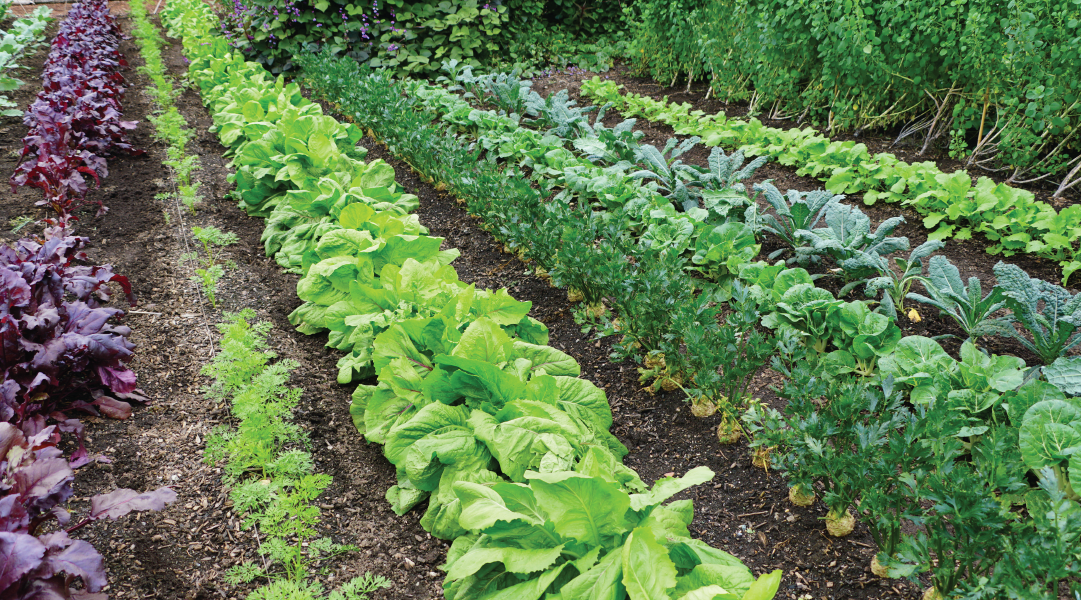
<point>602,582</point>
<point>765,587</point>
<point>665,488</point>
<point>514,560</point>
<point>1047,434</point>
<point>589,510</point>
<point>648,573</point>
<point>482,507</point>
<point>1065,374</point>
<point>500,307</point>
<point>552,361</point>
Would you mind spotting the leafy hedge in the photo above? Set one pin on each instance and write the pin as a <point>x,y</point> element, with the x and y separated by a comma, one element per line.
<point>998,79</point>
<point>413,36</point>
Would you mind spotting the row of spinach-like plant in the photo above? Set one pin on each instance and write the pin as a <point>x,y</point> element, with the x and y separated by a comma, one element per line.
<point>950,203</point>
<point>492,427</point>
<point>62,347</point>
<point>975,452</point>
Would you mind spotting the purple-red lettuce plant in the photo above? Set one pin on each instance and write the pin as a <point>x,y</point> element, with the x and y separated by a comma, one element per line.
<point>38,558</point>
<point>76,120</point>
<point>59,346</point>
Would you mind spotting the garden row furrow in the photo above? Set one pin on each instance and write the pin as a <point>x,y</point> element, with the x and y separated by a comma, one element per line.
<point>469,397</point>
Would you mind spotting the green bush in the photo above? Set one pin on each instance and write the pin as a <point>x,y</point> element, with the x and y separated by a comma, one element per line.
<point>997,79</point>
<point>414,37</point>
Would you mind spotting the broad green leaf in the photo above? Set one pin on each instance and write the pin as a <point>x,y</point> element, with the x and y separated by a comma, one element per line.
<point>648,573</point>
<point>552,361</point>
<point>500,307</point>
<point>444,512</point>
<point>709,592</point>
<point>734,580</point>
<point>521,444</point>
<point>602,582</point>
<point>588,510</point>
<point>484,341</point>
<point>582,392</point>
<point>1048,435</point>
<point>602,464</point>
<point>665,488</point>
<point>1018,401</point>
<point>431,419</point>
<point>688,553</point>
<point>530,590</point>
<point>765,587</point>
<point>356,216</point>
<point>514,560</point>
<point>482,507</point>
<point>1065,374</point>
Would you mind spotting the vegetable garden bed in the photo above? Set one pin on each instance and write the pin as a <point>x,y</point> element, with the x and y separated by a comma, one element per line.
<point>184,550</point>
<point>969,254</point>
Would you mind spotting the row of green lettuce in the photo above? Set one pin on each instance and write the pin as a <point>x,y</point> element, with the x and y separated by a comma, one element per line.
<point>950,203</point>
<point>916,441</point>
<point>491,427</point>
<point>271,478</point>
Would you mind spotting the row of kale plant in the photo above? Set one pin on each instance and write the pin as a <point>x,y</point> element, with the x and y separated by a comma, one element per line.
<point>60,349</point>
<point>982,424</point>
<point>951,204</point>
<point>469,398</point>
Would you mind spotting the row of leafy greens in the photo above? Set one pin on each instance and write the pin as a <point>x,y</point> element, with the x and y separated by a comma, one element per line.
<point>981,493</point>
<point>469,397</point>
